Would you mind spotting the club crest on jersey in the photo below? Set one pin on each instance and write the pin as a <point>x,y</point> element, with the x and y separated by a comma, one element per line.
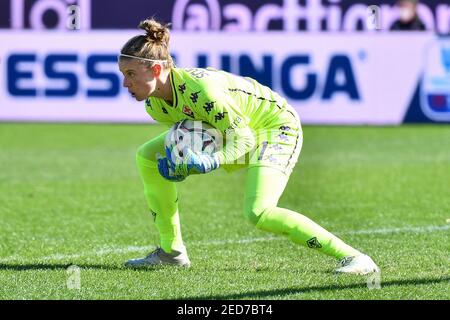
<point>188,111</point>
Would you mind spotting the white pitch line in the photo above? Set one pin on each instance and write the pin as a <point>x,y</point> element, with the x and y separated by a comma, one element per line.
<point>399,230</point>
<point>116,250</point>
<point>99,252</point>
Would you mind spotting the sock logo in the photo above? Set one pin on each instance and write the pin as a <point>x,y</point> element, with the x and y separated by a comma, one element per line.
<point>313,243</point>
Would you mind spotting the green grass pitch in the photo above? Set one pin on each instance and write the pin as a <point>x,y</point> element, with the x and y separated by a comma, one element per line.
<point>70,194</point>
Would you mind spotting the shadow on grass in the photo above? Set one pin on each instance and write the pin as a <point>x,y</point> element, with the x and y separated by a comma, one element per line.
<point>299,290</point>
<point>53,266</point>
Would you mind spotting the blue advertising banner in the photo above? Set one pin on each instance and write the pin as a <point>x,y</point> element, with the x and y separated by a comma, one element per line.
<point>382,79</point>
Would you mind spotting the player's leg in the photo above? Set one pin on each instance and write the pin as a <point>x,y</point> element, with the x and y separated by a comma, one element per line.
<point>264,187</point>
<point>268,174</point>
<point>161,194</point>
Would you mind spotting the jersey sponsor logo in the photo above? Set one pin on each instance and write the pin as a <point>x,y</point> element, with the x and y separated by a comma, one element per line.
<point>188,111</point>
<point>41,14</point>
<point>272,159</point>
<point>148,104</point>
<point>435,86</point>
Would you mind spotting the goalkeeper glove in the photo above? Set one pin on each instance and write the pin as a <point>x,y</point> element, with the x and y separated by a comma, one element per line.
<point>166,170</point>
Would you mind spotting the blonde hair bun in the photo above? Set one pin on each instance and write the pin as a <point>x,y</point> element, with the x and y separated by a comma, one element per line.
<point>156,32</point>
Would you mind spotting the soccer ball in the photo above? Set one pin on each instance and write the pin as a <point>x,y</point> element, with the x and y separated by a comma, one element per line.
<point>198,136</point>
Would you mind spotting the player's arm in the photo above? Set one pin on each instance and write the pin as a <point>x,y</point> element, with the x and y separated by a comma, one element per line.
<point>220,111</point>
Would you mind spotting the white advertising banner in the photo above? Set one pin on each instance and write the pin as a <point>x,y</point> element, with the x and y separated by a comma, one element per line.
<point>336,78</point>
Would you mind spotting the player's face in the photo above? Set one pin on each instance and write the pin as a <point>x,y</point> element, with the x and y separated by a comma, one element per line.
<point>139,78</point>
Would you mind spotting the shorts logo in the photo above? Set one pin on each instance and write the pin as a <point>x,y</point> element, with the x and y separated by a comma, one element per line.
<point>188,111</point>
<point>435,86</point>
<point>313,243</point>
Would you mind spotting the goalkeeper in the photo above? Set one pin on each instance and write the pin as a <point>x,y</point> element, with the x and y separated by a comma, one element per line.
<point>266,139</point>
